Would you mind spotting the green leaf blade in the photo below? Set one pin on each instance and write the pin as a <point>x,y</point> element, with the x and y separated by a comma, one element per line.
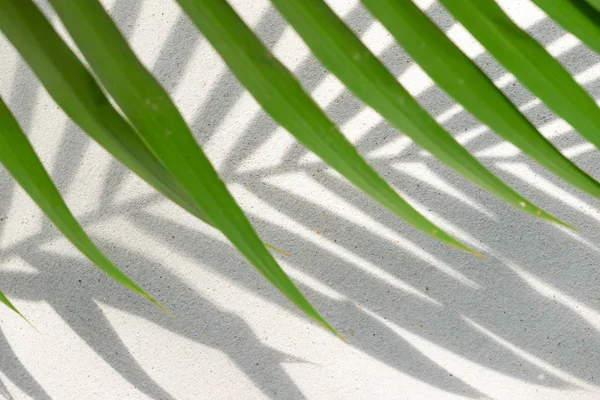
<point>594,3</point>
<point>349,59</point>
<point>530,63</point>
<point>76,92</point>
<point>462,79</point>
<point>281,96</point>
<point>166,134</point>
<point>577,16</point>
<point>19,158</point>
<point>4,300</point>
<point>74,89</point>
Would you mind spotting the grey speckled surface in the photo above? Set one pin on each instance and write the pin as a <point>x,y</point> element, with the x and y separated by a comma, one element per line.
<point>423,321</point>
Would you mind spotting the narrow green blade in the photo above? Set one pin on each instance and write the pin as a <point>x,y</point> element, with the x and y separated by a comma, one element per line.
<point>350,60</point>
<point>466,83</point>
<point>19,158</point>
<point>4,300</point>
<point>76,92</point>
<point>594,3</point>
<point>280,94</point>
<point>164,130</point>
<point>576,16</point>
<point>530,63</point>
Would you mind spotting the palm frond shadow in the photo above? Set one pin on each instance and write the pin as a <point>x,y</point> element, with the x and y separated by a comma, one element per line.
<point>18,374</point>
<point>390,275</point>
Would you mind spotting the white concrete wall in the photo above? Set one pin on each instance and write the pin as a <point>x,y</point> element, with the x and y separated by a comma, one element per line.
<point>423,321</point>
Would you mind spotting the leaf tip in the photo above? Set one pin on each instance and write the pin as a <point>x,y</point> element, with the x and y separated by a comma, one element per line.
<point>568,226</point>
<point>460,246</point>
<point>331,329</point>
<point>169,313</point>
<point>343,339</point>
<point>26,320</point>
<point>549,217</point>
<point>158,304</point>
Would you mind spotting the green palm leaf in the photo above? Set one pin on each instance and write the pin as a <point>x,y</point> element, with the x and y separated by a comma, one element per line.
<point>76,92</point>
<point>466,83</point>
<point>594,3</point>
<point>530,63</point>
<point>153,140</point>
<point>74,89</point>
<point>577,16</point>
<point>347,57</point>
<point>166,134</point>
<point>4,300</point>
<point>280,94</point>
<point>19,158</point>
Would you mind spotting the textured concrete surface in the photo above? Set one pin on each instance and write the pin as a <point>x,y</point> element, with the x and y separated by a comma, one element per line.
<point>423,321</point>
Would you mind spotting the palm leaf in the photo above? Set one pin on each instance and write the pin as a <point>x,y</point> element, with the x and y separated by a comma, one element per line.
<point>166,134</point>
<point>19,158</point>
<point>466,83</point>
<point>530,63</point>
<point>576,16</point>
<point>153,140</point>
<point>4,300</point>
<point>280,94</point>
<point>347,57</point>
<point>75,90</point>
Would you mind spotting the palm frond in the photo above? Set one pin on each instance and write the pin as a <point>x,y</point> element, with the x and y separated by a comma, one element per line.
<point>594,3</point>
<point>530,63</point>
<point>153,140</point>
<point>19,158</point>
<point>576,16</point>
<point>280,94</point>
<point>467,84</point>
<point>347,57</point>
<point>159,124</point>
